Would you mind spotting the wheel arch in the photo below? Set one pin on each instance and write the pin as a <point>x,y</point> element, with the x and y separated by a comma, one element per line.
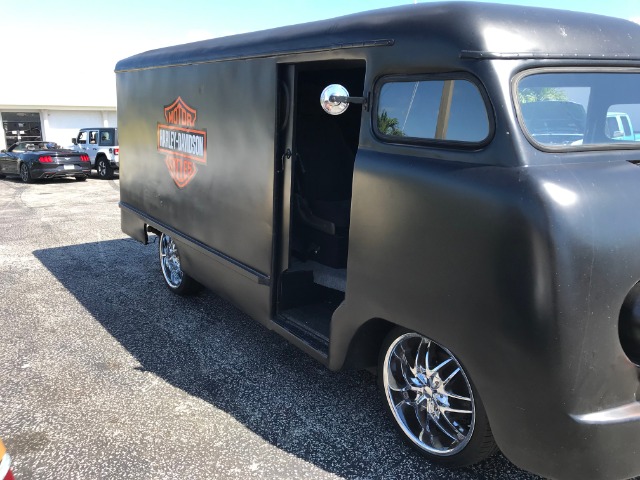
<point>364,347</point>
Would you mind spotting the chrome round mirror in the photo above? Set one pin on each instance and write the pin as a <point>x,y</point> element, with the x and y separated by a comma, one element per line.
<point>329,104</point>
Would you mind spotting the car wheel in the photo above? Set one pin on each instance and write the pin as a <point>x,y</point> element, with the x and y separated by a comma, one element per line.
<point>25,173</point>
<point>177,281</point>
<point>104,168</point>
<point>432,401</point>
<point>81,178</point>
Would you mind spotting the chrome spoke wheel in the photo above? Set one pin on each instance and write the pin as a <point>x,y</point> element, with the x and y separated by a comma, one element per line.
<point>429,395</point>
<point>170,262</point>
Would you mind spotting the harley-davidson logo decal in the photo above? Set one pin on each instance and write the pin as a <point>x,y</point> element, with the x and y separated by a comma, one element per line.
<point>185,147</point>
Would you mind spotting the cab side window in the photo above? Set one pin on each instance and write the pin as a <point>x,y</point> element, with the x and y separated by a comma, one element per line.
<point>612,128</point>
<point>626,126</point>
<point>93,137</point>
<point>106,138</point>
<point>436,109</point>
<point>619,126</point>
<point>82,138</point>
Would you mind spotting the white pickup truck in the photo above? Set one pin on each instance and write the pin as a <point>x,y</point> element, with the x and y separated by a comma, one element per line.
<point>101,144</point>
<point>619,127</point>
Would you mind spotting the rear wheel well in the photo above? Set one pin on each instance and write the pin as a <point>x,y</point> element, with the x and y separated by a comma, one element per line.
<point>365,344</point>
<point>153,230</point>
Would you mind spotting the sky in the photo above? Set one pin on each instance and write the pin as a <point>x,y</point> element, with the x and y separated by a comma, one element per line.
<point>80,42</point>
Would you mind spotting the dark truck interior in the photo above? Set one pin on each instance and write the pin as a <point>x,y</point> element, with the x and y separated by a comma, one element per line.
<point>325,149</point>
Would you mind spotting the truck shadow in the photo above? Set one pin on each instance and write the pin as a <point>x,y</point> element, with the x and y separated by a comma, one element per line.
<point>209,349</point>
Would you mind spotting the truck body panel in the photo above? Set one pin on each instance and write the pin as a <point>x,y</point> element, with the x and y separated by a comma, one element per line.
<point>516,256</point>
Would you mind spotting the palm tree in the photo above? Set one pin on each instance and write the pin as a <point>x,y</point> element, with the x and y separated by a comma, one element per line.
<point>389,126</point>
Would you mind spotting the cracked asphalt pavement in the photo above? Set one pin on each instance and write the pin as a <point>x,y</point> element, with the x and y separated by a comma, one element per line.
<point>106,374</point>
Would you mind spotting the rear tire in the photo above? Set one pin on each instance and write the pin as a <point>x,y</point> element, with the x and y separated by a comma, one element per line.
<point>176,280</point>
<point>25,173</point>
<point>104,168</point>
<point>432,400</point>
<point>81,178</point>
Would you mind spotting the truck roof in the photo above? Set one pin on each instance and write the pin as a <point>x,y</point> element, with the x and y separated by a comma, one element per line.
<point>461,29</point>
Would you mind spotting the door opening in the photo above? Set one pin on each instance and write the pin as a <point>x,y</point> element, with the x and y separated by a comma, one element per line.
<point>324,150</point>
<point>21,126</point>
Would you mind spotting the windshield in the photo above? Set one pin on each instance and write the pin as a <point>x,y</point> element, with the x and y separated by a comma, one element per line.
<point>33,146</point>
<point>580,110</point>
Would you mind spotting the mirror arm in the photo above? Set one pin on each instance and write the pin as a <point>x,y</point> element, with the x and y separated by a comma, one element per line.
<point>359,100</point>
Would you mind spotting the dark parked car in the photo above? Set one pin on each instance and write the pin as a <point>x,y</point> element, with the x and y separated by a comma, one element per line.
<point>40,160</point>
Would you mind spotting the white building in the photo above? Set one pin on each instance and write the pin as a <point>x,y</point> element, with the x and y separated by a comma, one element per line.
<point>55,113</point>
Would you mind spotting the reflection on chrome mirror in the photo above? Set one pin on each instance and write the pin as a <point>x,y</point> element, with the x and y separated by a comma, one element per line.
<point>334,99</point>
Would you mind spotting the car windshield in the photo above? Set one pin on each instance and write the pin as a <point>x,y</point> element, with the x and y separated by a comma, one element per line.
<point>580,110</point>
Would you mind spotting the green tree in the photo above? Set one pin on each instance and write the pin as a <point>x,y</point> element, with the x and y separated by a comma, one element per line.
<point>389,126</point>
<point>549,94</point>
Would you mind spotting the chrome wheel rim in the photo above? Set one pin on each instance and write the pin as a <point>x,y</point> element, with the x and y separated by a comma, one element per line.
<point>24,172</point>
<point>170,261</point>
<point>102,168</point>
<point>429,394</point>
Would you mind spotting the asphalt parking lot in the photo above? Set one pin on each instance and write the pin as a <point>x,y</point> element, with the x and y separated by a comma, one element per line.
<point>106,374</point>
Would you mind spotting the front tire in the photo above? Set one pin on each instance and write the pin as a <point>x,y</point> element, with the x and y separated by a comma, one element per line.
<point>176,280</point>
<point>104,168</point>
<point>25,173</point>
<point>432,400</point>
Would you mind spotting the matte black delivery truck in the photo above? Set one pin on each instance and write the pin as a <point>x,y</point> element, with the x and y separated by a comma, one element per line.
<point>437,191</point>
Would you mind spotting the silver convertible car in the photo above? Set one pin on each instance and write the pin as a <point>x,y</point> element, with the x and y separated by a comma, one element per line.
<point>40,160</point>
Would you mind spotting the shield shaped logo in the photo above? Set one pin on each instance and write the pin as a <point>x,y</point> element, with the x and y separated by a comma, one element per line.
<point>184,145</point>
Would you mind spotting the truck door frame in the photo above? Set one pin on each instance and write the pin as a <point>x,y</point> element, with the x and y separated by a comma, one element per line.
<point>285,133</point>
